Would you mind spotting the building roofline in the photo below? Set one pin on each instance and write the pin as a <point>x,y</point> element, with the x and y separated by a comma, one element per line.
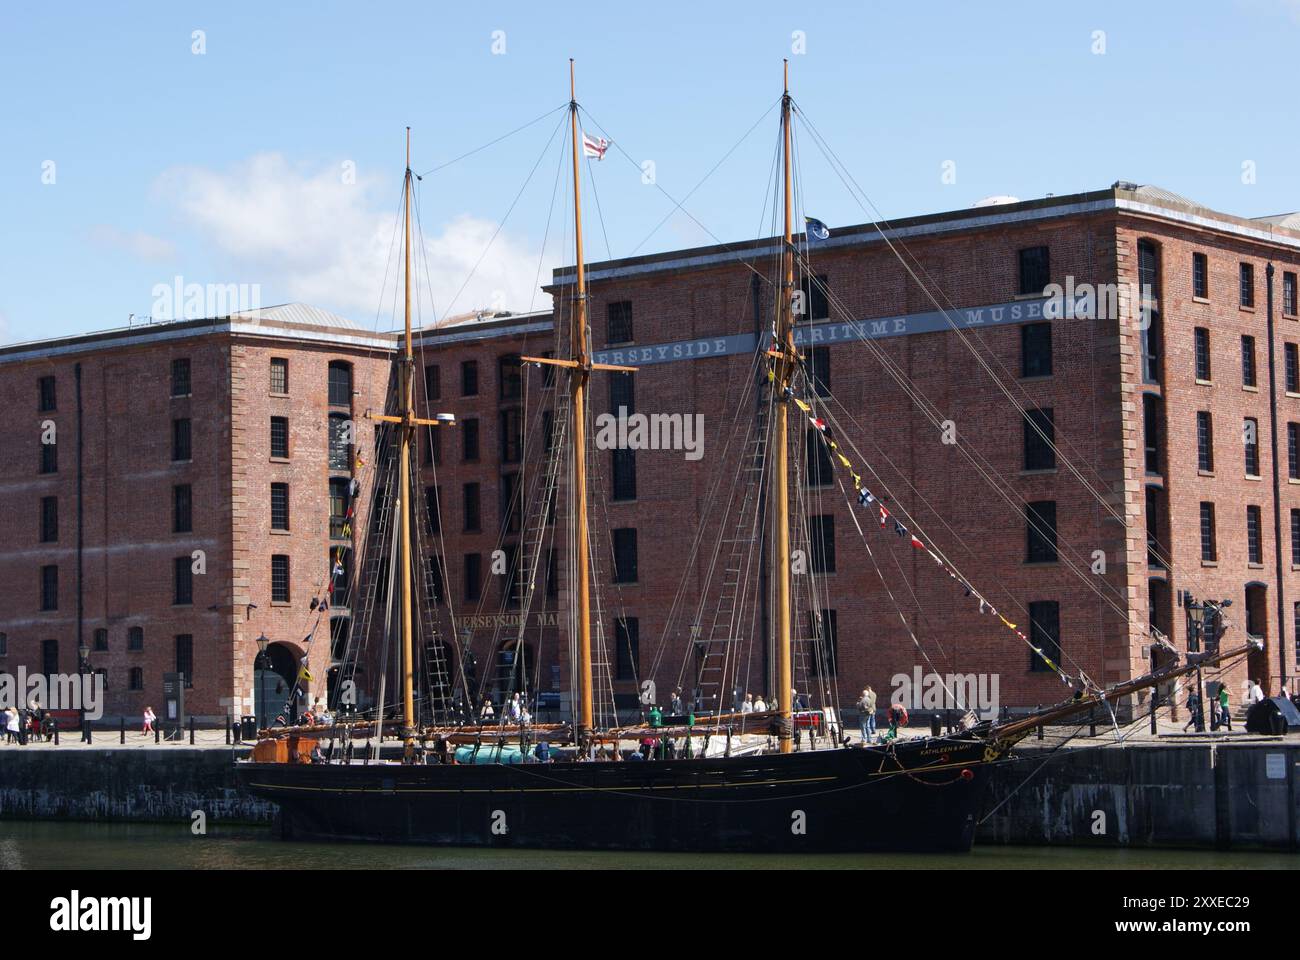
<point>1116,198</point>
<point>245,326</point>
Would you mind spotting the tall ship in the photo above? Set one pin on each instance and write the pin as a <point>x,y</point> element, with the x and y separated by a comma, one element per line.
<point>424,762</point>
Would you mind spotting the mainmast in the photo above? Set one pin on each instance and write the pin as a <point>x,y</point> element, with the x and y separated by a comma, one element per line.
<point>579,366</point>
<point>785,359</point>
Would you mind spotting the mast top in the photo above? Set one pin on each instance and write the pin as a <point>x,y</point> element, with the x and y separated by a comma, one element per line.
<point>573,94</point>
<point>408,149</point>
<point>786,63</point>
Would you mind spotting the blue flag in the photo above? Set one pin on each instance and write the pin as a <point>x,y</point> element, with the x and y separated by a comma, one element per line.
<point>816,229</point>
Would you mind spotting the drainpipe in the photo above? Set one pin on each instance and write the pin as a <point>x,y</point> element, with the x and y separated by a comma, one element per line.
<point>1277,483</point>
<point>81,518</point>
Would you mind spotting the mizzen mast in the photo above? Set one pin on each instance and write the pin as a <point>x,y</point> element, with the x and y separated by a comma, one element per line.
<point>579,366</point>
<point>785,361</point>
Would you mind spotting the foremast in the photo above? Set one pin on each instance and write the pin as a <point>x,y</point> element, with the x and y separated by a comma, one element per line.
<point>579,367</point>
<point>785,360</point>
<point>406,423</point>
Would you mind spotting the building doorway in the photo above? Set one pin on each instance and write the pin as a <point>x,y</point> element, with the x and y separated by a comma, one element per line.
<point>1257,629</point>
<point>273,679</point>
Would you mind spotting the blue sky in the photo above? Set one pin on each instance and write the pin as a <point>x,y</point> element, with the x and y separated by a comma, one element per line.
<point>229,166</point>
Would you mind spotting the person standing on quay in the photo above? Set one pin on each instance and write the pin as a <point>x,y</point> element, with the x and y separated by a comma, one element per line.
<point>1225,715</point>
<point>867,714</point>
<point>149,718</point>
<point>11,724</point>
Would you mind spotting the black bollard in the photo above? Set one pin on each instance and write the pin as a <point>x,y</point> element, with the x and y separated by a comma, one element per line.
<point>1153,713</point>
<point>56,734</point>
<point>191,730</point>
<point>86,735</point>
<point>157,733</point>
<point>239,731</point>
<point>122,730</point>
<point>936,725</point>
<point>1040,726</point>
<point>227,734</point>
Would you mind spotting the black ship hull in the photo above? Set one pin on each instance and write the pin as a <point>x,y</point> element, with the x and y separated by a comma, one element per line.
<point>920,796</point>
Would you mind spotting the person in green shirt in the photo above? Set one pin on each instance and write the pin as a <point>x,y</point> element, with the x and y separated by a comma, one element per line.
<point>1225,715</point>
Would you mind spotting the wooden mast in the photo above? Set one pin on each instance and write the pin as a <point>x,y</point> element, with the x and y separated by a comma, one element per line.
<point>579,366</point>
<point>578,381</point>
<point>785,360</point>
<point>407,423</point>
<point>405,381</point>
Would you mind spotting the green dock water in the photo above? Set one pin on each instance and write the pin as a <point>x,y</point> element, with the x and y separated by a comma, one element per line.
<point>96,846</point>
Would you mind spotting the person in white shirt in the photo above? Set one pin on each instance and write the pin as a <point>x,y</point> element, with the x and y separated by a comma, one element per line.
<point>748,705</point>
<point>759,704</point>
<point>1254,693</point>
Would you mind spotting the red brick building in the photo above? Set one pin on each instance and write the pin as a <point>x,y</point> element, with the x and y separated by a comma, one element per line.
<point>1169,407</point>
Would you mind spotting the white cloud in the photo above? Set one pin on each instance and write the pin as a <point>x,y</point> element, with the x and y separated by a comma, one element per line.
<point>309,235</point>
<point>138,244</point>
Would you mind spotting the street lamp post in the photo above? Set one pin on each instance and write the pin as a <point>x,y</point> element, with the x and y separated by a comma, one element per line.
<point>262,663</point>
<point>83,668</point>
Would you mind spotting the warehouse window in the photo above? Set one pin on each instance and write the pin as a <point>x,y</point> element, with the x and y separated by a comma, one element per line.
<point>473,576</point>
<point>1204,441</point>
<point>279,375</point>
<point>1036,350</point>
<point>340,442</point>
<point>1248,361</point>
<point>279,578</point>
<point>819,370</point>
<point>182,508</point>
<point>512,506</point>
<point>1034,270</point>
<point>50,657</point>
<point>1250,440</point>
<point>469,378</point>
<point>185,658</point>
<point>181,385</point>
<point>470,504</point>
<point>627,640</point>
<point>512,435</point>
<point>619,317</point>
<point>1293,450</point>
<point>1045,634</point>
<point>340,384</point>
<point>625,558</point>
<point>432,382</point>
<point>1254,535</point>
<point>1209,535</point>
<point>510,377</point>
<point>1200,276</point>
<point>1292,368</point>
<point>49,519</point>
<point>1040,439</point>
<point>182,448</point>
<point>49,457</point>
<point>820,469</point>
<point>280,438</point>
<point>816,298</point>
<point>279,506</point>
<point>1204,370</point>
<point>469,440</point>
<point>1247,285</point>
<point>821,543</point>
<point>1295,536</point>
<point>100,642</point>
<point>46,395</point>
<point>1040,527</point>
<point>622,394</point>
<point>1152,416</point>
<point>1288,294</point>
<point>624,470</point>
<point>432,498</point>
<point>50,587</point>
<point>182,581</point>
<point>136,681</point>
<point>826,630</point>
<point>135,639</point>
